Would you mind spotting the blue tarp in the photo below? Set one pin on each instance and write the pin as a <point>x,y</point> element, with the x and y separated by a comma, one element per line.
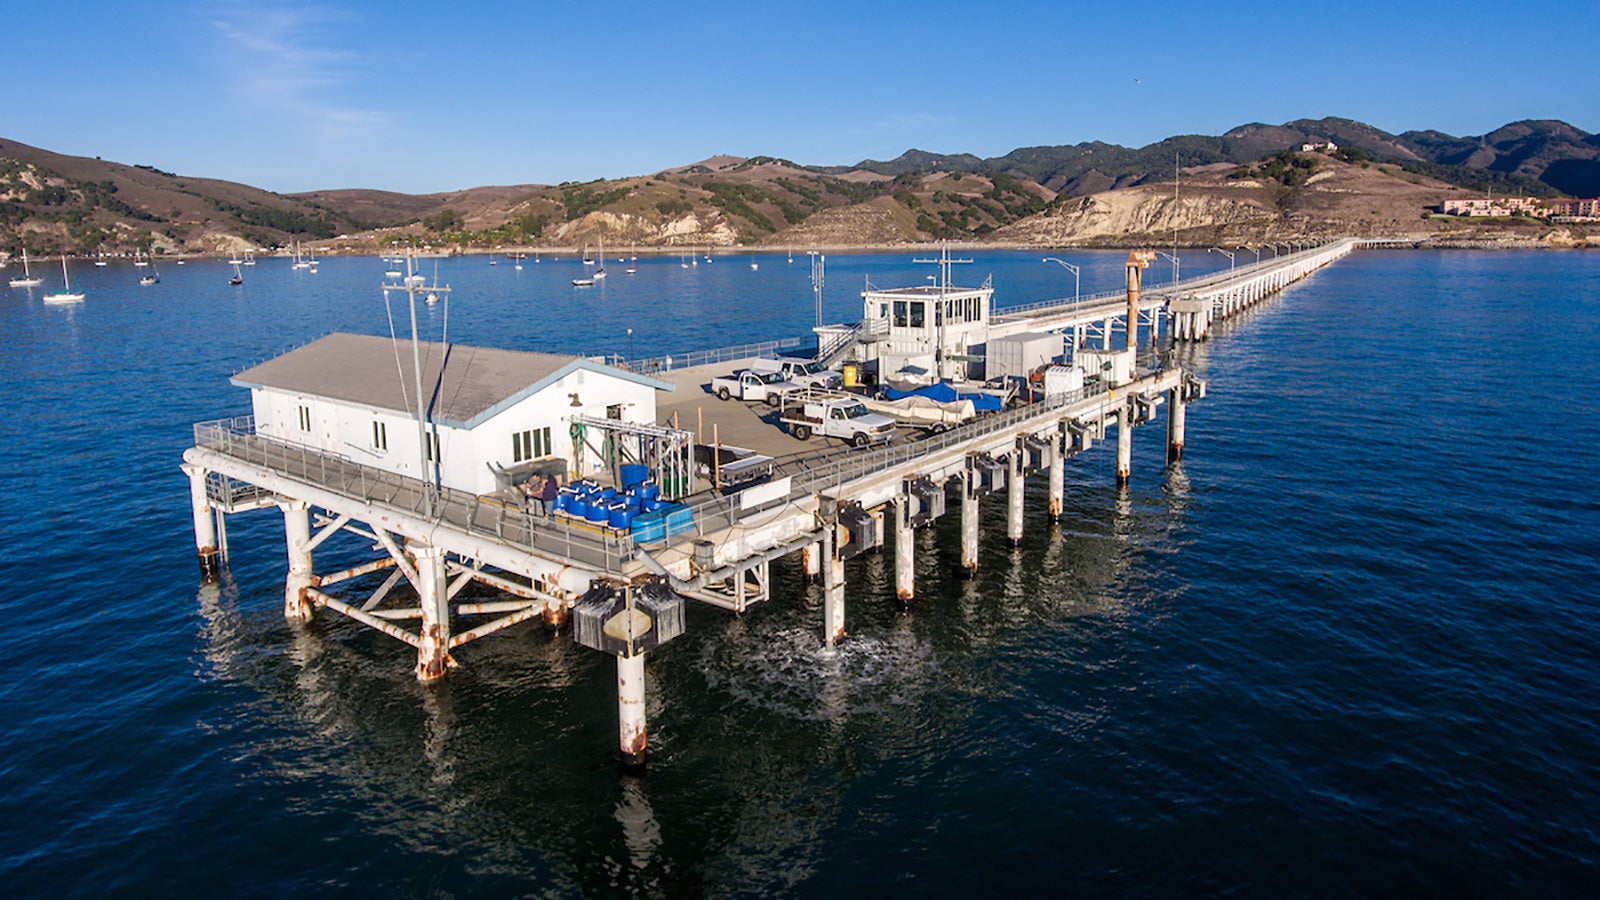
<point>944,393</point>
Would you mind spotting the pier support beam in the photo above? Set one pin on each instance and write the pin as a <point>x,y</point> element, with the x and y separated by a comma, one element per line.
<point>969,523</point>
<point>1124,444</point>
<point>205,523</point>
<point>433,597</point>
<point>630,710</point>
<point>811,557</point>
<point>1014,484</point>
<point>1056,474</point>
<point>297,537</point>
<point>1175,414</point>
<point>832,587</point>
<point>904,551</point>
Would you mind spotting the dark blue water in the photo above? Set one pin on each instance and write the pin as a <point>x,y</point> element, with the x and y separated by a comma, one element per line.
<point>1349,647</point>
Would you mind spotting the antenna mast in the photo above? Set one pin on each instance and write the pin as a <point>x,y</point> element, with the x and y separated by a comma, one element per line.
<point>412,286</point>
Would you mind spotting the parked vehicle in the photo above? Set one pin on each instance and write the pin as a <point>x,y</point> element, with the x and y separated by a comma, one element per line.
<point>803,372</point>
<point>836,415</point>
<point>747,384</point>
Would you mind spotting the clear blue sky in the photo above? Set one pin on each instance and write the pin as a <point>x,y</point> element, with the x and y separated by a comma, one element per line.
<point>410,97</point>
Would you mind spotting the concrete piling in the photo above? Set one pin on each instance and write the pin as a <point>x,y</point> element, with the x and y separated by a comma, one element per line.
<point>297,538</point>
<point>631,726</point>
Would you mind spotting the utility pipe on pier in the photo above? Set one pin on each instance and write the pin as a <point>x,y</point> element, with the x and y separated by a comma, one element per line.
<point>1138,260</point>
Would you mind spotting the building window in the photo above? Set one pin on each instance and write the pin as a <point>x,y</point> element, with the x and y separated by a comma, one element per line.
<point>305,418</point>
<point>899,314</point>
<point>614,411</point>
<point>380,436</point>
<point>530,444</point>
<point>917,319</point>
<point>431,446</point>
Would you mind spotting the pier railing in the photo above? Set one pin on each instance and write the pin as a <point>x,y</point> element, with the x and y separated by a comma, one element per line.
<point>486,516</point>
<point>673,361</point>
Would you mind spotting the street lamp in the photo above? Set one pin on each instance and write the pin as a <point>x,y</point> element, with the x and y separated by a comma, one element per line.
<point>1176,268</point>
<point>1255,250</point>
<point>1076,281</point>
<point>1227,253</point>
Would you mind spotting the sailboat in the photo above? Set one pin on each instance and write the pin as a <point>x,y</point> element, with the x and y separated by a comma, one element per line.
<point>138,260</point>
<point>249,258</point>
<point>600,271</point>
<point>237,278</point>
<point>65,295</point>
<point>753,264</point>
<point>588,281</point>
<point>27,279</point>
<point>154,277</point>
<point>298,262</point>
<point>100,259</point>
<point>633,256</point>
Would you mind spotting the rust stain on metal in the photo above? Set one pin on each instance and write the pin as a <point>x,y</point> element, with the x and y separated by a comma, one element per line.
<point>435,659</point>
<point>555,617</point>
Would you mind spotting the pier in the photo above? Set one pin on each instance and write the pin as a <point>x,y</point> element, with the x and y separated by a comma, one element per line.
<point>443,524</point>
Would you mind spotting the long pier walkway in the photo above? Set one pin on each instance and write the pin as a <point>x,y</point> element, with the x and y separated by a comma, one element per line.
<point>624,595</point>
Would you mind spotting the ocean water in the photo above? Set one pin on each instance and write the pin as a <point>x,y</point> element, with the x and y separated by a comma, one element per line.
<point>1347,647</point>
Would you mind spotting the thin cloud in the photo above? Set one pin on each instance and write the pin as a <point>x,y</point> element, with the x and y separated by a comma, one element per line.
<point>283,60</point>
<point>910,121</point>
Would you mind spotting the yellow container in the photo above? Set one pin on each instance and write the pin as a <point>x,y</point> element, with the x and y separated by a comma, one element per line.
<point>849,375</point>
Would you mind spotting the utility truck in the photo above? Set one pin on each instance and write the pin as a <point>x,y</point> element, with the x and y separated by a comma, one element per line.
<point>804,372</point>
<point>748,384</point>
<point>835,414</point>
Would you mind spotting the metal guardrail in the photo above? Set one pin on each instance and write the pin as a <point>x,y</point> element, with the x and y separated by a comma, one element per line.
<point>1166,289</point>
<point>693,358</point>
<point>483,515</point>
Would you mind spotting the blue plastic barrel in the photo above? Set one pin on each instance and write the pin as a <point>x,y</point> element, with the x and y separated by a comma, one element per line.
<point>650,489</point>
<point>578,506</point>
<point>563,500</point>
<point>597,512</point>
<point>634,473</point>
<point>620,516</point>
<point>608,494</point>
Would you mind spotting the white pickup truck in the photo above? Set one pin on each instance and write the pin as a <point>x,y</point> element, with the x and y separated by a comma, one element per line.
<point>835,415</point>
<point>804,372</point>
<point>747,384</point>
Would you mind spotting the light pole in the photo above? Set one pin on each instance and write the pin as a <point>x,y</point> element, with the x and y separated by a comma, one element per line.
<point>630,348</point>
<point>1076,272</point>
<point>1227,253</point>
<point>1176,268</point>
<point>1255,250</point>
